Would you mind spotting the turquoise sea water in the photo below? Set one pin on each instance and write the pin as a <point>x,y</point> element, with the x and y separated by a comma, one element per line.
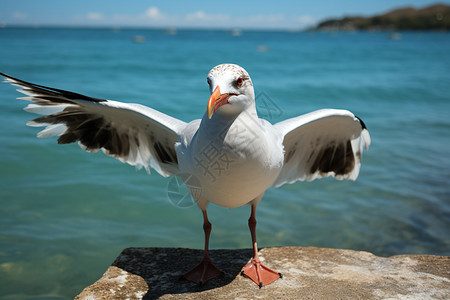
<point>66,214</point>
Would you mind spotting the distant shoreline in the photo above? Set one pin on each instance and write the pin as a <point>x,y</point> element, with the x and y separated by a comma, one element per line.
<point>431,18</point>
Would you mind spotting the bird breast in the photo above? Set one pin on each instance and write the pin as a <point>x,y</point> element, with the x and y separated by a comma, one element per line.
<point>235,165</point>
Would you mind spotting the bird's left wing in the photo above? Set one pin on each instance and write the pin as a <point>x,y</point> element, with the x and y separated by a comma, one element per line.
<point>323,143</point>
<point>132,133</point>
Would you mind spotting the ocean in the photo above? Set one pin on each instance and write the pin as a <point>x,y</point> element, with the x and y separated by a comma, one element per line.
<point>66,214</point>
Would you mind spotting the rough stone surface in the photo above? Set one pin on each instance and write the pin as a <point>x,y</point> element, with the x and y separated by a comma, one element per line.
<point>308,273</point>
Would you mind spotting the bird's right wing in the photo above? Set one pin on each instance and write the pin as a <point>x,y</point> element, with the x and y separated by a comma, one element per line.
<point>132,133</point>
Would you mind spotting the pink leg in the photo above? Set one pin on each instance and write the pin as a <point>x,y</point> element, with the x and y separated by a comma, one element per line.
<point>205,270</point>
<point>255,270</point>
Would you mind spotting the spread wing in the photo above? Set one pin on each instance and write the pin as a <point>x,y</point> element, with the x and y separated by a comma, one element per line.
<point>132,133</point>
<point>323,143</point>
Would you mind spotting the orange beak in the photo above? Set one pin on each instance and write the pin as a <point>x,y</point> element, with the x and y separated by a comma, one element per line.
<point>216,100</point>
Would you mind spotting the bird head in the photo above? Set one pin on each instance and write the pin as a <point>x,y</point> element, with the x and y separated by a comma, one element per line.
<point>231,90</point>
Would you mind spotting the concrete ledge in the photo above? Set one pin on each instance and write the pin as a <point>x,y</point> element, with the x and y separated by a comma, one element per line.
<point>309,273</point>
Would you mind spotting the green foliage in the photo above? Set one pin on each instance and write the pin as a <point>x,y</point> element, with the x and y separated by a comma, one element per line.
<point>435,17</point>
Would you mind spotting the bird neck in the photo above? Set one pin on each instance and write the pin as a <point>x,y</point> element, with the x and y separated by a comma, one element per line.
<point>221,121</point>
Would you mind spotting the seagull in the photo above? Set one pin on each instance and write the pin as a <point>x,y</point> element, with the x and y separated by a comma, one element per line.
<point>230,157</point>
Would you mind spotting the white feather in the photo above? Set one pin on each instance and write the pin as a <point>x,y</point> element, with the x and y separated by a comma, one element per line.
<point>52,130</point>
<point>44,110</point>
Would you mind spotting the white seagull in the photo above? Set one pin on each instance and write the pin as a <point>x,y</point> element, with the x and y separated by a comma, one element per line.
<point>230,157</point>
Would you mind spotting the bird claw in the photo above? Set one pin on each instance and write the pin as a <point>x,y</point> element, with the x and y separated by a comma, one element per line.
<point>203,272</point>
<point>259,273</point>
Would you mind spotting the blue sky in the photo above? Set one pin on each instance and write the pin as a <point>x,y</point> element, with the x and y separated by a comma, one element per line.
<point>281,14</point>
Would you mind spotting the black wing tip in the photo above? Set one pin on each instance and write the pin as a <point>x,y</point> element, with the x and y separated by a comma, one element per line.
<point>363,125</point>
<point>9,76</point>
<point>64,93</point>
<point>17,80</point>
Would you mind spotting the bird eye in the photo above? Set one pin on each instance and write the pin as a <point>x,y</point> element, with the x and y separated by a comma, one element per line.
<point>239,81</point>
<point>208,81</point>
